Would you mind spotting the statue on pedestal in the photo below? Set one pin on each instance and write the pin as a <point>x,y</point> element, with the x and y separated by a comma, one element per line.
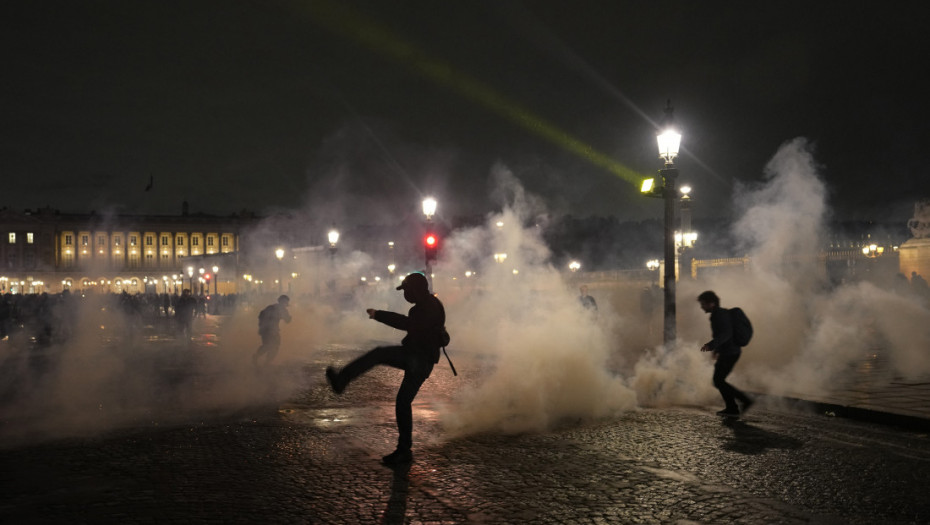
<point>920,223</point>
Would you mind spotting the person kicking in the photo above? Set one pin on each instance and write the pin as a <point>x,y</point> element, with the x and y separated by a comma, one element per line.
<point>416,355</point>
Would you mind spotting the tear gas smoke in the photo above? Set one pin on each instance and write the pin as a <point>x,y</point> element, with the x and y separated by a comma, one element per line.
<point>549,354</point>
<point>807,333</point>
<point>542,358</point>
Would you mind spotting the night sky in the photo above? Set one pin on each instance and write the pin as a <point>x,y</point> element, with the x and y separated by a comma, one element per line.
<point>355,110</point>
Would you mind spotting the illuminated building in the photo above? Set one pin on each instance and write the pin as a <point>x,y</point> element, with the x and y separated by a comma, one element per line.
<point>108,252</point>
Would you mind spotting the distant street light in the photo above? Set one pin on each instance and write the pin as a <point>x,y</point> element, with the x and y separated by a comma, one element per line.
<point>333,237</point>
<point>429,208</point>
<point>190,274</point>
<point>574,266</point>
<point>873,250</point>
<point>431,240</point>
<point>279,255</point>
<point>391,265</point>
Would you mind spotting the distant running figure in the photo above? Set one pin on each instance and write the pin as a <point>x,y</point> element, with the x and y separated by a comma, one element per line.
<point>269,320</point>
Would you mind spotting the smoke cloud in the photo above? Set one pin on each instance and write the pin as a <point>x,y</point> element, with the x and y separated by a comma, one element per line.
<point>541,359</point>
<point>808,331</point>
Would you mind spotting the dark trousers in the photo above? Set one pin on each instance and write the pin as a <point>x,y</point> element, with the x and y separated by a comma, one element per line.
<point>416,369</point>
<point>271,342</point>
<point>730,394</point>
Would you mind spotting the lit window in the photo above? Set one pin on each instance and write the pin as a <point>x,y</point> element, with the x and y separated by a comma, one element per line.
<point>148,240</point>
<point>68,240</point>
<point>164,241</point>
<point>84,240</point>
<point>209,241</point>
<point>133,240</point>
<point>180,241</point>
<point>195,241</point>
<point>12,238</point>
<point>101,241</point>
<point>225,241</point>
<point>29,238</point>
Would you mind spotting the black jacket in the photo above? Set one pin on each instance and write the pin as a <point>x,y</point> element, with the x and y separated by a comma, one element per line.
<point>422,323</point>
<point>721,326</point>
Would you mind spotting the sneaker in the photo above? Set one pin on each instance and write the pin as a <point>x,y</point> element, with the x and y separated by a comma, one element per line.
<point>728,412</point>
<point>398,457</point>
<point>746,405</point>
<point>333,379</point>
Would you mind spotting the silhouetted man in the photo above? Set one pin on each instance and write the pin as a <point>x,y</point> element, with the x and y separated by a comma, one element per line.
<point>418,352</point>
<point>184,314</point>
<point>269,328</point>
<point>725,351</point>
<point>587,301</point>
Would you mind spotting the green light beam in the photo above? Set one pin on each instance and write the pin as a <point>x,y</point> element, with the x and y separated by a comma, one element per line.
<point>345,21</point>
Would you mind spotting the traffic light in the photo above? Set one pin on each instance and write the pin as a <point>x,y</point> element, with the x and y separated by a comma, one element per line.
<point>431,246</point>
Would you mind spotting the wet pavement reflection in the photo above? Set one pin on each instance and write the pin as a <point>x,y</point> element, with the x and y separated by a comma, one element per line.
<point>222,441</point>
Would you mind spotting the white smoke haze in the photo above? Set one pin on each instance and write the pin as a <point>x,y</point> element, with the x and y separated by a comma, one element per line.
<point>549,354</point>
<point>806,334</point>
<point>544,360</point>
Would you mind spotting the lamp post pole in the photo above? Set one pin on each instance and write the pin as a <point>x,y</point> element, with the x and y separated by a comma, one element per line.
<point>669,141</point>
<point>429,209</point>
<point>279,254</point>
<point>669,174</point>
<point>333,238</point>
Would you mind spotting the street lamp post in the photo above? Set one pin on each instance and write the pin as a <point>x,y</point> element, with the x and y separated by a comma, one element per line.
<point>333,238</point>
<point>669,141</point>
<point>201,271</point>
<point>429,209</point>
<point>391,265</point>
<point>279,255</point>
<point>216,279</point>
<point>190,274</point>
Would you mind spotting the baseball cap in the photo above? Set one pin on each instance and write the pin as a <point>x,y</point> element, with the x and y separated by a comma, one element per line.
<point>414,281</point>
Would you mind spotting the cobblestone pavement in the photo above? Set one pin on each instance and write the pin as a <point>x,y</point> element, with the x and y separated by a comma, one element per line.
<point>313,458</point>
<point>871,390</point>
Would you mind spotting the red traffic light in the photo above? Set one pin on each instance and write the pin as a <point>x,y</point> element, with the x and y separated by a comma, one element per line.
<point>430,240</point>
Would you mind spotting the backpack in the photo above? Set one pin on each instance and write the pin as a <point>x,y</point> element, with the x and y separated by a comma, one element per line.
<point>444,337</point>
<point>742,328</point>
<point>265,317</point>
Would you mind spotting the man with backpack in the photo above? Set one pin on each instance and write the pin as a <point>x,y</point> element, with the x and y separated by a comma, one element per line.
<point>725,346</point>
<point>416,355</point>
<point>269,320</point>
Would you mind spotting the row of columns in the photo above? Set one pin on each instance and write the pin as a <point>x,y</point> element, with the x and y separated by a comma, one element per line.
<point>136,256</point>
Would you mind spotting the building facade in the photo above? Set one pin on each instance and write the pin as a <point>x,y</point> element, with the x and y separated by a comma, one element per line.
<point>48,251</point>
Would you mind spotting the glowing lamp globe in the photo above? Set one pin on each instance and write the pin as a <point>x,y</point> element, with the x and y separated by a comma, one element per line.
<point>429,207</point>
<point>669,142</point>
